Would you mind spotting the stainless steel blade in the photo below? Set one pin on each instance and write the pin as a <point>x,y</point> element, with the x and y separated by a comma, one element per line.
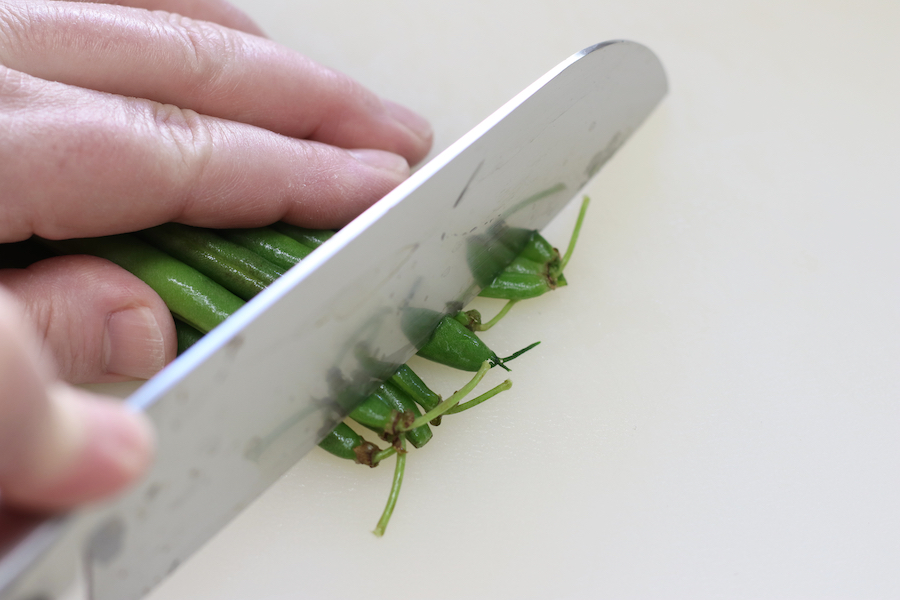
<point>249,400</point>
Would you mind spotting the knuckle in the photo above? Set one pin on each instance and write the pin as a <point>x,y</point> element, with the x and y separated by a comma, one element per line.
<point>187,142</point>
<point>209,51</point>
<point>185,134</point>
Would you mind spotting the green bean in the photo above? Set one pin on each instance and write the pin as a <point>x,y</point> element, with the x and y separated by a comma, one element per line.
<point>190,295</point>
<point>234,267</point>
<point>453,345</point>
<point>401,402</point>
<point>486,258</point>
<point>308,237</point>
<point>376,414</point>
<point>537,269</point>
<point>277,248</point>
<point>527,266</point>
<point>345,443</point>
<point>539,250</point>
<point>407,380</point>
<point>387,410</point>
<point>525,277</point>
<point>187,335</point>
<point>518,286</point>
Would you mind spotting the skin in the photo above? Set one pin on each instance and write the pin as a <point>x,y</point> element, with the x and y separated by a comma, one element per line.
<point>118,117</point>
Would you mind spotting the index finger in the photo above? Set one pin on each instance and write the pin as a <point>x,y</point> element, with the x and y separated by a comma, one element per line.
<point>201,66</point>
<point>80,163</point>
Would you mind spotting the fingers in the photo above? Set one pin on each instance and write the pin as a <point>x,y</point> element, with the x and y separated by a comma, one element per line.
<point>125,160</point>
<point>99,322</point>
<point>216,11</point>
<point>79,163</point>
<point>207,68</point>
<point>58,446</point>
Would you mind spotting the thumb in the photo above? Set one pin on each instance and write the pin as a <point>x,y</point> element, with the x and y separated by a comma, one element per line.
<point>99,322</point>
<point>59,446</point>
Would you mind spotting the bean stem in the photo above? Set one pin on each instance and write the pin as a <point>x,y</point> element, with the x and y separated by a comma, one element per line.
<point>395,488</point>
<point>453,400</point>
<point>574,238</point>
<point>382,454</point>
<point>497,317</point>
<point>476,401</point>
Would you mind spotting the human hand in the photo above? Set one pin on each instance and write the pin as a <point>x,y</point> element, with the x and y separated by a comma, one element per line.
<point>114,119</point>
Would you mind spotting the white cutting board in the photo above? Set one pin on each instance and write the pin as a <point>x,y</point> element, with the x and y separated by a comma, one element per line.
<point>714,410</point>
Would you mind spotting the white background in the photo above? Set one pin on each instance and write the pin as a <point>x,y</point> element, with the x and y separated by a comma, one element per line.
<point>714,410</point>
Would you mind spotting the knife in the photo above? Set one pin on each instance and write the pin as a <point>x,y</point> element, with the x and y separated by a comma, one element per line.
<point>252,397</point>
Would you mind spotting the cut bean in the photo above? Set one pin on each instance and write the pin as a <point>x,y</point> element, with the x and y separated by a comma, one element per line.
<point>345,443</point>
<point>400,401</point>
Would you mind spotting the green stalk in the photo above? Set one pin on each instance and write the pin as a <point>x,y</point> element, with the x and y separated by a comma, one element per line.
<point>395,488</point>
<point>497,317</point>
<point>453,400</point>
<point>382,454</point>
<point>476,401</point>
<point>574,238</point>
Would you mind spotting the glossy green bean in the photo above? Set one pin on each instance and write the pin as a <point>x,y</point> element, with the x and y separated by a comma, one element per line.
<point>537,269</point>
<point>539,250</point>
<point>453,345</point>
<point>407,380</point>
<point>277,248</point>
<point>518,286</point>
<point>308,237</point>
<point>487,257</point>
<point>375,414</point>
<point>190,295</point>
<point>403,404</point>
<point>234,267</point>
<point>187,335</point>
<point>345,443</point>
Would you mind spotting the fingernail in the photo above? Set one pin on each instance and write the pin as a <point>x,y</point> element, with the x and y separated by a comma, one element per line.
<point>380,159</point>
<point>410,120</point>
<point>134,344</point>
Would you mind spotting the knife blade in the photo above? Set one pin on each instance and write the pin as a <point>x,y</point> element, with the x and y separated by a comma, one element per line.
<point>258,392</point>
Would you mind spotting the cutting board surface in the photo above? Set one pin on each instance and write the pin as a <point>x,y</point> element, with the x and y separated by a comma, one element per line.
<point>714,408</point>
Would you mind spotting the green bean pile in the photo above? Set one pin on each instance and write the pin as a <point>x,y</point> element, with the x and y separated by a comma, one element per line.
<point>205,275</point>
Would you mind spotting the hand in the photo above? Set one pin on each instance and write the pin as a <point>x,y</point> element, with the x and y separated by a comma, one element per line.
<point>113,119</point>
